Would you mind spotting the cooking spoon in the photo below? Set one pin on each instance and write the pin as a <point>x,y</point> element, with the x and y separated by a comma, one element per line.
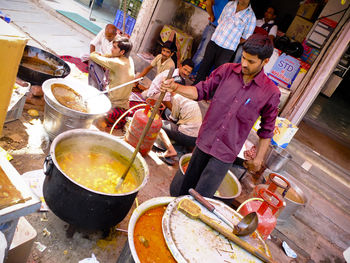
<point>144,132</point>
<point>245,226</point>
<point>115,88</point>
<point>190,209</point>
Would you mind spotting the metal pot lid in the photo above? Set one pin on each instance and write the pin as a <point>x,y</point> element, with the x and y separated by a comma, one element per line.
<point>193,241</point>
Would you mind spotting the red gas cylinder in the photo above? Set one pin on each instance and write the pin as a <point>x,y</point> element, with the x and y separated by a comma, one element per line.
<point>266,211</point>
<point>136,127</point>
<point>276,184</point>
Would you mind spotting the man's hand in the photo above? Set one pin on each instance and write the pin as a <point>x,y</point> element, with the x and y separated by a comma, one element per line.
<point>211,18</point>
<point>253,166</point>
<point>168,85</point>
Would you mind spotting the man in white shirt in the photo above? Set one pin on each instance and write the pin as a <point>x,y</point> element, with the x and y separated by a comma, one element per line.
<point>183,127</point>
<point>179,75</point>
<point>264,26</point>
<point>102,44</point>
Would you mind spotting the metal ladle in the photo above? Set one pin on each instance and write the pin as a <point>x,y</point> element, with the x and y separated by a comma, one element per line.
<point>112,89</point>
<point>247,225</point>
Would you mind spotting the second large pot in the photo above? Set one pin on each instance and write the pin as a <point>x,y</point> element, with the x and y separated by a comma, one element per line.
<point>58,118</point>
<point>78,205</point>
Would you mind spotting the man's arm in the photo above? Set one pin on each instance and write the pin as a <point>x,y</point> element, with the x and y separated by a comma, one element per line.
<point>168,105</point>
<point>209,7</point>
<point>101,60</point>
<point>145,71</point>
<point>186,91</point>
<point>255,164</point>
<point>97,40</point>
<point>273,32</point>
<point>92,48</point>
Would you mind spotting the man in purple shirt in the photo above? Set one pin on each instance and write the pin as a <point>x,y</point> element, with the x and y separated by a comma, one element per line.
<point>240,93</point>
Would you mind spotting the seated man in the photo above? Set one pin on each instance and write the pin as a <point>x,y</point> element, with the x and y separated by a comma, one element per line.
<point>179,76</point>
<point>163,61</point>
<point>264,26</point>
<point>102,43</point>
<point>121,69</point>
<point>185,120</point>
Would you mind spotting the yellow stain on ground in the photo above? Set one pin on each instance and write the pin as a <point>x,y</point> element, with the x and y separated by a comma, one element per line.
<point>109,242</point>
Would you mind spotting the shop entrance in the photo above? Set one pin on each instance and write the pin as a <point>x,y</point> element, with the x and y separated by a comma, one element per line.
<point>102,10</point>
<point>326,126</point>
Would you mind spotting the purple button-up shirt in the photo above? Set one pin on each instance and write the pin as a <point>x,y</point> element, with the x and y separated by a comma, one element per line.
<point>234,109</point>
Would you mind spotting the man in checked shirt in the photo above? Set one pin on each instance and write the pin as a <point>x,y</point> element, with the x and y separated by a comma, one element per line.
<point>239,94</point>
<point>236,23</point>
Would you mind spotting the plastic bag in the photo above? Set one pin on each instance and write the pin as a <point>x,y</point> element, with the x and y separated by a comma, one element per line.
<point>90,260</point>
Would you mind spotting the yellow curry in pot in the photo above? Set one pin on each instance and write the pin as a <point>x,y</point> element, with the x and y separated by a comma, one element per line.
<point>98,169</point>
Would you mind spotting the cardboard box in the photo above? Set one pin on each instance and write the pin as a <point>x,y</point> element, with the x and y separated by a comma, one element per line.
<point>284,70</point>
<point>307,10</point>
<point>12,43</point>
<point>310,54</point>
<point>299,29</point>
<point>22,242</point>
<point>283,133</point>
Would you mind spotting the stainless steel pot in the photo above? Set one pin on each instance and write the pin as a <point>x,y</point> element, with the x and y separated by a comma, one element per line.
<point>58,118</point>
<point>277,158</point>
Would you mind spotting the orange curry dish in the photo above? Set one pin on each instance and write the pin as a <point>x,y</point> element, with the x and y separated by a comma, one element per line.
<point>148,237</point>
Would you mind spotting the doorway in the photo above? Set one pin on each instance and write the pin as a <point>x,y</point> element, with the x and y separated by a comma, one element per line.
<point>326,126</point>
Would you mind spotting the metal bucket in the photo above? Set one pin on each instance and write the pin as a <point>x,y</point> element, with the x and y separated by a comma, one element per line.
<point>58,118</point>
<point>229,189</point>
<point>295,199</point>
<point>277,158</point>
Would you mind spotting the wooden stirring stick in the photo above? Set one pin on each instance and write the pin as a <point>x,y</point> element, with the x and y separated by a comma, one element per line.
<point>190,209</point>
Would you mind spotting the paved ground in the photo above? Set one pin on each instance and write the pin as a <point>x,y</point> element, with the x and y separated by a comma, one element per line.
<point>315,233</point>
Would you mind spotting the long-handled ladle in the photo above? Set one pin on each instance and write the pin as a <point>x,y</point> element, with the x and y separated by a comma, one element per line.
<point>112,89</point>
<point>144,132</point>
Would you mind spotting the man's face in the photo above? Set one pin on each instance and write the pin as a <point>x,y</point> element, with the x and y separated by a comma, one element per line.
<point>269,14</point>
<point>166,53</point>
<point>110,34</point>
<point>116,52</point>
<point>244,2</point>
<point>251,64</point>
<point>185,71</point>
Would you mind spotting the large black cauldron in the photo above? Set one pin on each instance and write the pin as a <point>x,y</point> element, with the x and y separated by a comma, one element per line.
<point>78,205</point>
<point>35,64</point>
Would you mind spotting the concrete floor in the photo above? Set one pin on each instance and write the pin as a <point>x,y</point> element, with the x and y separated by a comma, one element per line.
<point>319,232</point>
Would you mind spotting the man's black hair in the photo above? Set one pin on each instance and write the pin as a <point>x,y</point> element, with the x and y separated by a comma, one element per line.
<point>259,45</point>
<point>170,45</point>
<point>124,44</point>
<point>188,62</point>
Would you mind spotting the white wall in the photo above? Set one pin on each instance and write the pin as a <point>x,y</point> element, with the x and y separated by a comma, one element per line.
<point>171,12</point>
<point>334,6</point>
